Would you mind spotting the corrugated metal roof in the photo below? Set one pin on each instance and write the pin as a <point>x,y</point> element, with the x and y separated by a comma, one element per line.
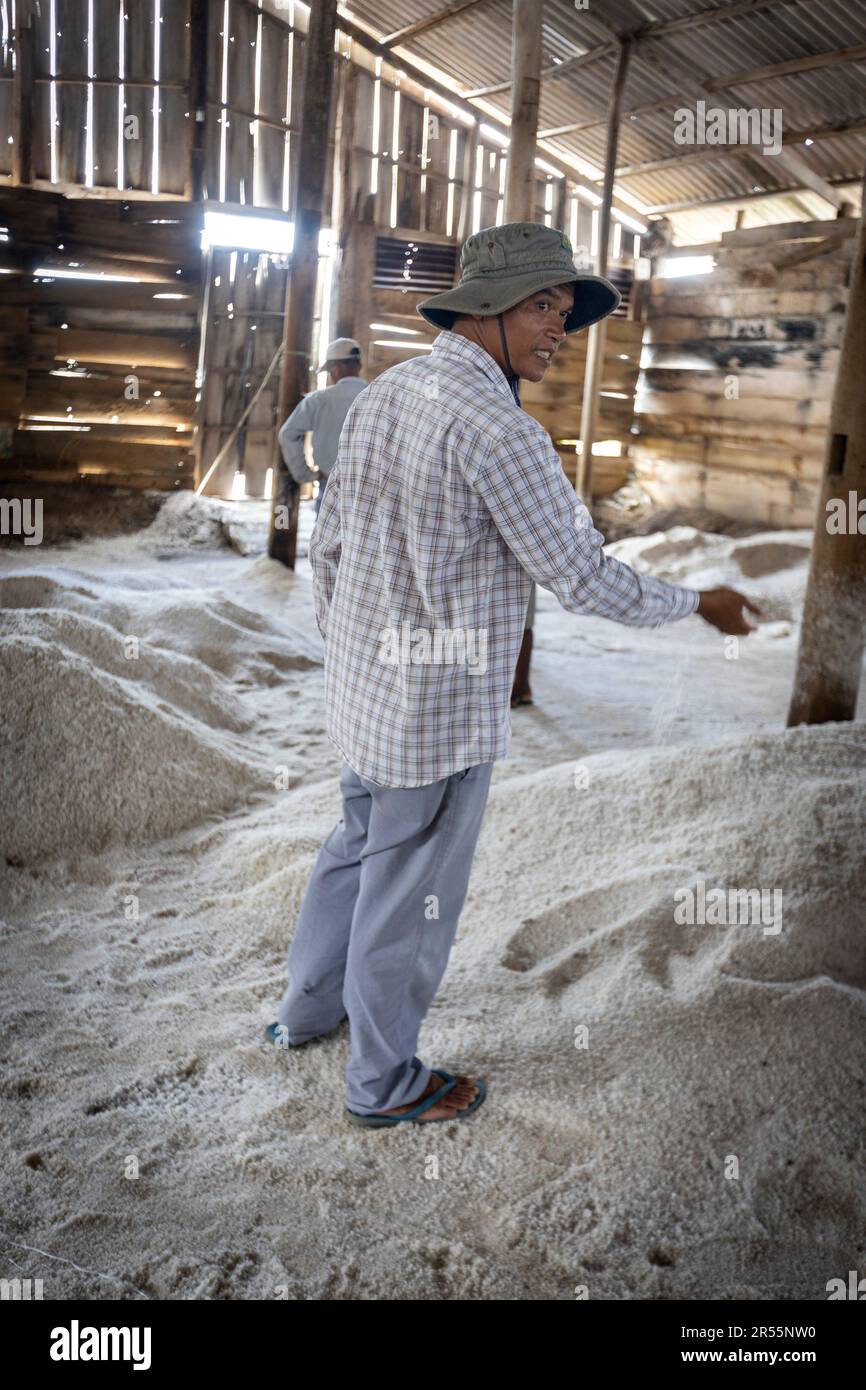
<point>473,48</point>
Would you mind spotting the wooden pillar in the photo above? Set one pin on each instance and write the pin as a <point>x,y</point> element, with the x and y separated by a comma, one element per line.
<point>525,89</point>
<point>345,204</point>
<point>355,292</point>
<point>833,633</point>
<point>22,95</point>
<point>560,210</point>
<point>467,191</point>
<point>198,18</point>
<point>595,343</point>
<point>301,289</point>
<point>343,209</point>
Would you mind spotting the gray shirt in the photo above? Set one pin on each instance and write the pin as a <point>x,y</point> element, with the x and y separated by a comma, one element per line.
<point>323,412</point>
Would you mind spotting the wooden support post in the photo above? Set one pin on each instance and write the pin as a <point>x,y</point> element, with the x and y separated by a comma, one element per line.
<point>560,212</point>
<point>595,344</point>
<point>833,633</point>
<point>22,96</point>
<point>355,294</point>
<point>198,20</point>
<point>467,191</point>
<point>345,203</point>
<point>525,89</point>
<point>301,289</point>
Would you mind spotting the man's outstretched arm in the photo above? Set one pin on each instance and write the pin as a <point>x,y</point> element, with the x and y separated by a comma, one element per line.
<point>550,531</point>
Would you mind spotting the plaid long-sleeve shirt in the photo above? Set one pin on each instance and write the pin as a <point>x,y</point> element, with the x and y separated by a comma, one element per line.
<point>445,502</point>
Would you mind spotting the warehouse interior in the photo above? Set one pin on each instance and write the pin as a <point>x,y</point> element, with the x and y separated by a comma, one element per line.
<point>196,196</point>
<point>147,150</point>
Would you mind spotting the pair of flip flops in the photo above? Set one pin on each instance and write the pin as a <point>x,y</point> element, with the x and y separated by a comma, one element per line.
<point>388,1121</point>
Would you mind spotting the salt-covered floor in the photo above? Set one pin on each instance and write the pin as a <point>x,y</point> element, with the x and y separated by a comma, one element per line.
<point>161,814</point>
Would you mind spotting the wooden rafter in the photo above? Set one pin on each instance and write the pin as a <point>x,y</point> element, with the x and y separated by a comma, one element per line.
<point>807,63</point>
<point>423,26</point>
<point>642,35</point>
<point>687,205</point>
<point>713,152</point>
<point>580,60</point>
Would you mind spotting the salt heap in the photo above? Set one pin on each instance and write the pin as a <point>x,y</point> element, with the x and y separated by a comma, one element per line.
<point>122,709</point>
<point>675,1107</point>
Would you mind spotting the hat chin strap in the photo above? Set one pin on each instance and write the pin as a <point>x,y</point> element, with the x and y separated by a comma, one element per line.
<point>510,374</point>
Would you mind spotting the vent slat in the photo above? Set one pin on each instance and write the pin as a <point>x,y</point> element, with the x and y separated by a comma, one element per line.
<point>415,265</point>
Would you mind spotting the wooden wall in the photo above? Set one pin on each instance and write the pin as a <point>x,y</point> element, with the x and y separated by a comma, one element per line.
<point>556,401</point>
<point>254,89</point>
<point>140,112</point>
<point>734,397</point>
<point>243,318</point>
<point>97,376</point>
<point>734,400</point>
<point>115,108</point>
<point>110,133</point>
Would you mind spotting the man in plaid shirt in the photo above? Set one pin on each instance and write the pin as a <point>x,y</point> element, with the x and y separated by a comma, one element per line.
<point>445,503</point>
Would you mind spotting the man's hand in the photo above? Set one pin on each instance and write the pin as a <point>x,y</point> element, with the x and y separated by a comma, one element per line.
<point>723,608</point>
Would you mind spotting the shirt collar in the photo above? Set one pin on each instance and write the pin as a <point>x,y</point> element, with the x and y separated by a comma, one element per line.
<point>448,344</point>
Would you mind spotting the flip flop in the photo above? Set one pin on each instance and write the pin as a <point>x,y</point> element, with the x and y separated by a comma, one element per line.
<point>521,700</point>
<point>387,1121</point>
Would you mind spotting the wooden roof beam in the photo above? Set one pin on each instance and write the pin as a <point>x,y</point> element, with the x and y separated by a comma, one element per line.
<point>580,60</point>
<point>423,26</point>
<point>797,167</point>
<point>711,152</point>
<point>807,63</point>
<point>660,28</point>
<point>732,200</point>
<point>644,33</point>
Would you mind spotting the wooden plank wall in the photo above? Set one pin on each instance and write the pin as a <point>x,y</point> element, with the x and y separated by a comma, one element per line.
<point>244,328</point>
<point>113,114</point>
<point>254,90</point>
<point>132,351</point>
<point>734,400</point>
<point>111,133</point>
<point>7,94</point>
<point>433,159</point>
<point>556,402</point>
<point>102,119</point>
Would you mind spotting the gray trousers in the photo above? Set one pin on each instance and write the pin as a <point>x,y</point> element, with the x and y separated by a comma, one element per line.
<point>377,923</point>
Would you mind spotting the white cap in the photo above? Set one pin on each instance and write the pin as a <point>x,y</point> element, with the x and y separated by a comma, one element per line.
<point>341,350</point>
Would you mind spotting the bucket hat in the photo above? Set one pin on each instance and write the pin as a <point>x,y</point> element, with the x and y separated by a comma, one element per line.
<point>499,266</point>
